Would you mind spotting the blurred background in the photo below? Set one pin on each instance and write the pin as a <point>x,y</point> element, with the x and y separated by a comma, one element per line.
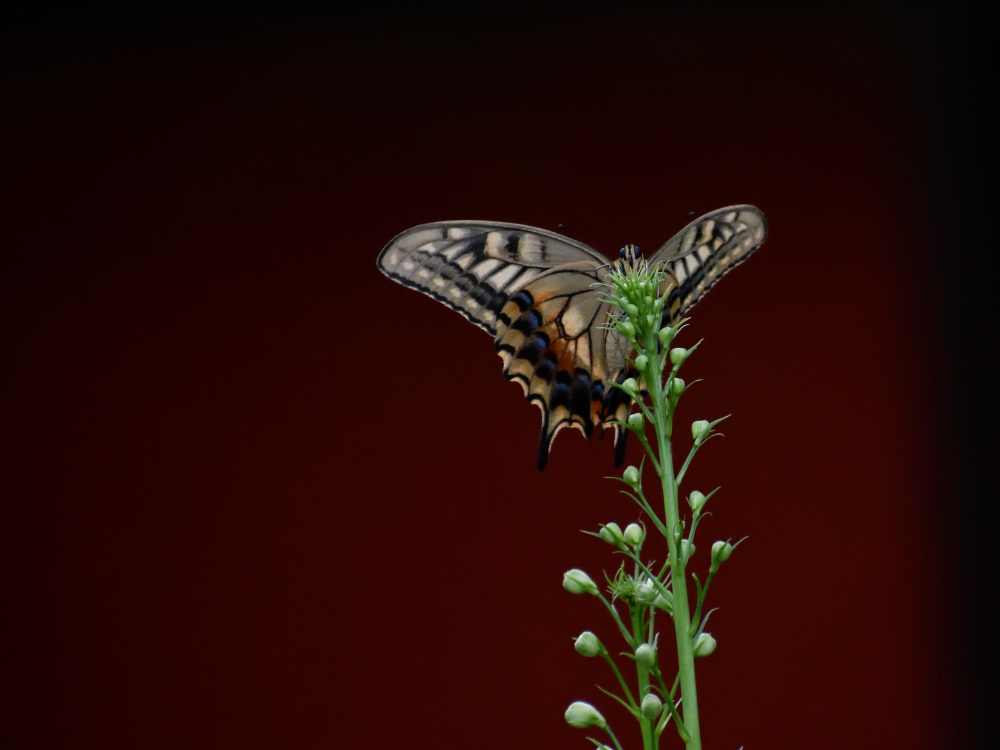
<point>257,495</point>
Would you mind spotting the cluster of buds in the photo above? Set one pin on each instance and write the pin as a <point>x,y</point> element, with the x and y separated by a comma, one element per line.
<point>632,536</point>
<point>646,327</point>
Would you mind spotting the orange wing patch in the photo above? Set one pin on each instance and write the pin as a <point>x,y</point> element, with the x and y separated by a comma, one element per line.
<point>546,340</point>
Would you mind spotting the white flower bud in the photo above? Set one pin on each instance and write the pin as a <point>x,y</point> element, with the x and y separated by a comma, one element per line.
<point>664,601</point>
<point>651,706</point>
<point>582,715</point>
<point>705,645</point>
<point>630,386</point>
<point>697,501</point>
<point>700,431</point>
<point>720,553</point>
<point>631,476</point>
<point>575,581</point>
<point>634,534</point>
<point>587,644</point>
<point>677,386</point>
<point>687,550</point>
<point>646,655</point>
<point>646,592</point>
<point>678,355</point>
<point>612,534</point>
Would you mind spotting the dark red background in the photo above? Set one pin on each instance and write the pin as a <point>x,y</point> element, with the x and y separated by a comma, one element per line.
<point>259,496</point>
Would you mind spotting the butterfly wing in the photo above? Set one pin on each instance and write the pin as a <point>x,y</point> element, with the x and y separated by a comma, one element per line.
<point>552,338</point>
<point>534,291</point>
<point>474,266</point>
<point>706,249</point>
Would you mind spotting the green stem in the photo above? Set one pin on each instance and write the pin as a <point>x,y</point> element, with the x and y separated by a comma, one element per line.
<point>621,680</point>
<point>649,741</point>
<point>662,409</point>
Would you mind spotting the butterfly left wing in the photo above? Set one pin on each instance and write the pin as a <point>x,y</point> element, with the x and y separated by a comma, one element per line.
<point>474,266</point>
<point>534,291</point>
<point>552,338</point>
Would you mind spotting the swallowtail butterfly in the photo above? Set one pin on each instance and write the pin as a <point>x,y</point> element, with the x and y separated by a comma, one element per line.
<point>536,292</point>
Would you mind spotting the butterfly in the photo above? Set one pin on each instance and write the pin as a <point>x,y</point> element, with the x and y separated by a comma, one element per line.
<point>539,295</point>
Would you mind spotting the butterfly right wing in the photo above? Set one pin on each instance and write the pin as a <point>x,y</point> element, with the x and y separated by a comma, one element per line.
<point>706,249</point>
<point>473,267</point>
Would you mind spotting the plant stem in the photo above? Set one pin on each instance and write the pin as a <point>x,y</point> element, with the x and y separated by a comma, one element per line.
<point>662,409</point>
<point>649,741</point>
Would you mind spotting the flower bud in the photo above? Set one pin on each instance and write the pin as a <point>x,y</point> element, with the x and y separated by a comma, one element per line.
<point>632,310</point>
<point>700,431</point>
<point>697,501</point>
<point>582,715</point>
<point>678,355</point>
<point>677,386</point>
<point>641,361</point>
<point>666,335</point>
<point>646,592</point>
<point>627,329</point>
<point>687,550</point>
<point>646,655</point>
<point>720,553</point>
<point>587,644</point>
<point>705,645</point>
<point>636,422</point>
<point>650,318</point>
<point>575,581</point>
<point>612,534</point>
<point>630,386</point>
<point>631,476</point>
<point>651,706</point>
<point>664,601</point>
<point>634,534</point>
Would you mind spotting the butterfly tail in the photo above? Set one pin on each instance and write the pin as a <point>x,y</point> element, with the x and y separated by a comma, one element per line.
<point>543,450</point>
<point>621,441</point>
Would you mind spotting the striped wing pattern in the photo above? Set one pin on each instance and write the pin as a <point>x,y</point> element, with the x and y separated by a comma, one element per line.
<point>536,293</point>
<point>473,266</point>
<point>706,249</point>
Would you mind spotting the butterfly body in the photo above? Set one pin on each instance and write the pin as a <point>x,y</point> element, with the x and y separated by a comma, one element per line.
<point>539,295</point>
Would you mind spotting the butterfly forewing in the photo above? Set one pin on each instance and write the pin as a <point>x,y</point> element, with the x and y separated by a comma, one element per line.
<point>541,296</point>
<point>706,249</point>
<point>473,266</point>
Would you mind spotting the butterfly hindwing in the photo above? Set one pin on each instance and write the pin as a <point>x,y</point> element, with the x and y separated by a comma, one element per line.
<point>552,338</point>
